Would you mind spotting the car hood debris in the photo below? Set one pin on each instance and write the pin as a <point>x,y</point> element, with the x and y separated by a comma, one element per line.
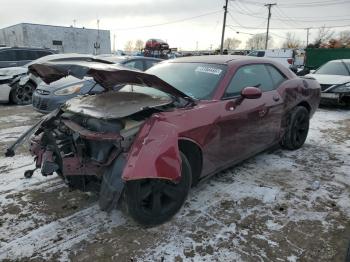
<point>107,75</point>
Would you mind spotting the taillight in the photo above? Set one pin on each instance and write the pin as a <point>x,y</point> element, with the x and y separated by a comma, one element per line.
<point>290,61</point>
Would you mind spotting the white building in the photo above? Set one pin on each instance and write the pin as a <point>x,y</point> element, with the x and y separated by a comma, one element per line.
<point>64,39</point>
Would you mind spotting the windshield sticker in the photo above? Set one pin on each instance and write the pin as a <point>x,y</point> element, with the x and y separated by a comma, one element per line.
<point>208,70</point>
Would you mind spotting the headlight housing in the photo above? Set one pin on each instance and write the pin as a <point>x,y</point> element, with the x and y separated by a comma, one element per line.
<point>344,88</point>
<point>69,90</point>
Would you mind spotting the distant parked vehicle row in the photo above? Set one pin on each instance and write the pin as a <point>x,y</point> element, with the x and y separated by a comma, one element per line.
<point>19,56</point>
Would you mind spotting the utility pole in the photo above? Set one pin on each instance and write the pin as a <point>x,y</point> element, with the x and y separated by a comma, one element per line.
<point>223,28</point>
<point>268,23</point>
<point>307,36</point>
<point>114,43</point>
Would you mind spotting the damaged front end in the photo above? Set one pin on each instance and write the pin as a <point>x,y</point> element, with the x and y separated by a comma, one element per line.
<point>93,142</point>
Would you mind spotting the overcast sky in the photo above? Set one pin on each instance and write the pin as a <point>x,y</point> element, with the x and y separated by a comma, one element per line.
<point>125,17</point>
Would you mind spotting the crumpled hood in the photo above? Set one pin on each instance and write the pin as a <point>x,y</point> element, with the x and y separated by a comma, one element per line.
<point>330,79</point>
<point>112,105</point>
<point>107,75</point>
<point>13,71</point>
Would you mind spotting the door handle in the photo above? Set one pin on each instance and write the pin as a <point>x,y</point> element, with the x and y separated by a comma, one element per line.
<point>276,98</point>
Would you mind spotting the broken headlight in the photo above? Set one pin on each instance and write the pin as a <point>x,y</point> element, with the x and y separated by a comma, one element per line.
<point>69,90</point>
<point>344,88</point>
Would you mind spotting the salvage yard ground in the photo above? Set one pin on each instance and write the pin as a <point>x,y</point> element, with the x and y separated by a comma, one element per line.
<point>268,208</point>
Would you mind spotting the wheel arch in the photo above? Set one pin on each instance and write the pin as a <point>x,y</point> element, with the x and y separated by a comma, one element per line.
<point>193,153</point>
<point>306,105</point>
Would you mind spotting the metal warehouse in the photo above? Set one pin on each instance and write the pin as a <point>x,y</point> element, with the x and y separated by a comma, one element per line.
<point>64,39</point>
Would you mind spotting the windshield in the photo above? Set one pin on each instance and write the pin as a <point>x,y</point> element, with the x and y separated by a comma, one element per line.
<point>196,80</point>
<point>333,68</point>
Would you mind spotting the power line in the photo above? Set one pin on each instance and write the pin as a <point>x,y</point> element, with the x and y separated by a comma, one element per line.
<point>296,5</point>
<point>294,20</point>
<point>283,14</point>
<point>170,22</point>
<point>299,28</point>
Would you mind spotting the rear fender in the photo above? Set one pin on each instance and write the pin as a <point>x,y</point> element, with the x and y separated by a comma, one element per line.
<point>154,153</point>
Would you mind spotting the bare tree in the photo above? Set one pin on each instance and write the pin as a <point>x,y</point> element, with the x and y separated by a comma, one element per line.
<point>139,44</point>
<point>129,46</point>
<point>344,38</point>
<point>231,43</point>
<point>323,36</point>
<point>257,41</point>
<point>291,41</point>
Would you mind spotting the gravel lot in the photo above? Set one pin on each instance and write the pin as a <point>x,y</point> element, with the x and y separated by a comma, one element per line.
<point>268,208</point>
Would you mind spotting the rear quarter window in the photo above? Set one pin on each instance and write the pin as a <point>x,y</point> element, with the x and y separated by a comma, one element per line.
<point>277,77</point>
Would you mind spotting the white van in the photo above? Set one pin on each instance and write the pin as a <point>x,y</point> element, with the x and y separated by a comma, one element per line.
<point>286,57</point>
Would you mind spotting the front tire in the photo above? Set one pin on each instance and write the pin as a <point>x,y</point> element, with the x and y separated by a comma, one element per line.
<point>155,201</point>
<point>22,95</point>
<point>297,128</point>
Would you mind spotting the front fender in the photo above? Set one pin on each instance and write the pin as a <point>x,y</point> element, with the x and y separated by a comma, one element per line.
<point>154,153</point>
<point>23,80</point>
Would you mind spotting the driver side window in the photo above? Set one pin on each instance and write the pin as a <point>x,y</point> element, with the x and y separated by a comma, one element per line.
<point>249,75</point>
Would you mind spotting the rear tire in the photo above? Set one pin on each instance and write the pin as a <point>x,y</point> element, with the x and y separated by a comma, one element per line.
<point>155,201</point>
<point>297,128</point>
<point>22,95</point>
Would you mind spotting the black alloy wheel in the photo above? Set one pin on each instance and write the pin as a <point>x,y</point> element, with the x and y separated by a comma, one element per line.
<point>22,95</point>
<point>154,201</point>
<point>297,129</point>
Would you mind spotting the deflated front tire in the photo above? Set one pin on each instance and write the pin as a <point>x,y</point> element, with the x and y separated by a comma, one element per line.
<point>155,201</point>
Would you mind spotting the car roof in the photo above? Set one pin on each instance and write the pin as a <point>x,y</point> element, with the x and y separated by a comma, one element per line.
<point>215,59</point>
<point>211,59</point>
<point>120,59</point>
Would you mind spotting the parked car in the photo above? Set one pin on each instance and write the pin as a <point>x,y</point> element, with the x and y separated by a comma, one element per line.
<point>334,78</point>
<point>284,56</point>
<point>8,76</point>
<point>167,128</point>
<point>47,98</point>
<point>19,56</point>
<point>16,86</point>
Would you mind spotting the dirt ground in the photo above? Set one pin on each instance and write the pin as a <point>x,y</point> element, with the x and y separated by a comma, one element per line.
<point>278,206</point>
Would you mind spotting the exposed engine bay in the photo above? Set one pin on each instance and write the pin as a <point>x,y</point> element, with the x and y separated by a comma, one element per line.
<point>84,150</point>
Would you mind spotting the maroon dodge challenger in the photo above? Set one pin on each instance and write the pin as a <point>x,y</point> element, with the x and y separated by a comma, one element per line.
<point>150,136</point>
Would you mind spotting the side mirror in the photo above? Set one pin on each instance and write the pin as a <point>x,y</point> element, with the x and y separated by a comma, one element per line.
<point>250,92</point>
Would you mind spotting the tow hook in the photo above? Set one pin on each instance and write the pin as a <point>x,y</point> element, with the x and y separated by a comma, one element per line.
<point>29,173</point>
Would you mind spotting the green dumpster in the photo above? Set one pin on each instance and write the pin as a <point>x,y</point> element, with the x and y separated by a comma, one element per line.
<point>315,57</point>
